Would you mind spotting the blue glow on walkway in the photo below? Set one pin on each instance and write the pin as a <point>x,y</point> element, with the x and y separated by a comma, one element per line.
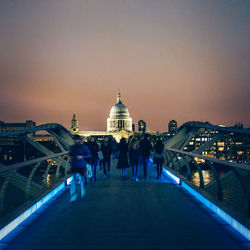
<point>222,214</point>
<point>27,213</point>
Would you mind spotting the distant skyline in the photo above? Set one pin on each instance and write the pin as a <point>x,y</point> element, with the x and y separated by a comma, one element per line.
<point>186,60</point>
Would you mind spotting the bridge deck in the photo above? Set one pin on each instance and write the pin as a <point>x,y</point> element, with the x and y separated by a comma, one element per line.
<point>118,214</point>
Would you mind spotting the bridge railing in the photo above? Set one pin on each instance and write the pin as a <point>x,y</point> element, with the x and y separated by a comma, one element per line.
<point>227,194</point>
<point>21,183</point>
<point>226,182</point>
<point>25,186</point>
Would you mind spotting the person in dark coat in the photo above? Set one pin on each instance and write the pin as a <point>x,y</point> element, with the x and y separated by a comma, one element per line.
<point>106,149</point>
<point>78,153</point>
<point>94,149</point>
<point>134,158</point>
<point>159,157</point>
<point>123,158</point>
<point>146,148</point>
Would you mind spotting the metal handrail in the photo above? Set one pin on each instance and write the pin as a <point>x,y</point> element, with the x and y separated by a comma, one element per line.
<point>46,126</point>
<point>195,124</point>
<point>207,158</point>
<point>235,169</point>
<point>7,168</point>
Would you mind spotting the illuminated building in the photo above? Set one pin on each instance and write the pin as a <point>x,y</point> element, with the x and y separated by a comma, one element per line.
<point>74,125</point>
<point>172,127</point>
<point>119,118</point>
<point>234,147</point>
<point>119,123</point>
<point>15,149</point>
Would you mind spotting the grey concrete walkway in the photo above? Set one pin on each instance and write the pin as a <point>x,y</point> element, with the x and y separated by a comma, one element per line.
<point>118,214</point>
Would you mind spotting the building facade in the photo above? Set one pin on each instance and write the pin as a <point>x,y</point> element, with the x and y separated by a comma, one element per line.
<point>74,125</point>
<point>119,118</point>
<point>119,123</point>
<point>14,127</point>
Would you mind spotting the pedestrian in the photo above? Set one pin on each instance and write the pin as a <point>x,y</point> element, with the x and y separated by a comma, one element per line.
<point>78,153</point>
<point>106,149</point>
<point>122,163</point>
<point>146,148</point>
<point>134,158</point>
<point>114,146</point>
<point>158,157</point>
<point>94,149</point>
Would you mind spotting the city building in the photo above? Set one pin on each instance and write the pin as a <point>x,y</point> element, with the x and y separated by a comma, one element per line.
<point>119,123</point>
<point>15,149</point>
<point>14,127</point>
<point>234,147</point>
<point>119,118</point>
<point>142,127</point>
<point>74,125</point>
<point>172,127</point>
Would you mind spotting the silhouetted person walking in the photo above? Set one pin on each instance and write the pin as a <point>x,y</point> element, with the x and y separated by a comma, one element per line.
<point>94,148</point>
<point>146,148</point>
<point>123,158</point>
<point>106,149</point>
<point>134,158</point>
<point>159,157</point>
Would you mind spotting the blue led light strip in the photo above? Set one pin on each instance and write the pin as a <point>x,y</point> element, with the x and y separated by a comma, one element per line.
<point>174,178</point>
<point>27,213</point>
<point>222,214</point>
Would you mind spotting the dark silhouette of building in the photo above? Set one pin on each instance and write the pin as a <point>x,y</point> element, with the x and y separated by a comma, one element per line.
<point>142,127</point>
<point>14,127</point>
<point>172,127</point>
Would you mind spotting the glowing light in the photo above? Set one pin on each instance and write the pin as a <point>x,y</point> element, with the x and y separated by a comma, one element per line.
<point>174,178</point>
<point>222,214</point>
<point>69,180</point>
<point>27,213</point>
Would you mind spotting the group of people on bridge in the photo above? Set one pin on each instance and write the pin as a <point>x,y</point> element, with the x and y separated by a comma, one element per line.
<point>132,154</point>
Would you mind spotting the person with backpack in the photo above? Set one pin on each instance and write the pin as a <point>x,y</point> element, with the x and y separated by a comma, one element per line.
<point>94,149</point>
<point>78,153</point>
<point>145,148</point>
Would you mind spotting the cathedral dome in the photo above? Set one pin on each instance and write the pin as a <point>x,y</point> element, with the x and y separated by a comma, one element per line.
<point>119,117</point>
<point>119,110</point>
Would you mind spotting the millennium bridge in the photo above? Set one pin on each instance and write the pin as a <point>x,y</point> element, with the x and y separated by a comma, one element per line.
<point>171,213</point>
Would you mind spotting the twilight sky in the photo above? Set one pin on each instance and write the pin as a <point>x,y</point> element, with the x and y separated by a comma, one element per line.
<point>172,59</point>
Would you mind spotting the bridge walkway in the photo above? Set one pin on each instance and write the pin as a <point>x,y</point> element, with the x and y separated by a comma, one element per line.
<point>118,214</point>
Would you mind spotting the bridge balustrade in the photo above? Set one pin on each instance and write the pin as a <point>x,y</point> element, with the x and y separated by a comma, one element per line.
<point>26,186</point>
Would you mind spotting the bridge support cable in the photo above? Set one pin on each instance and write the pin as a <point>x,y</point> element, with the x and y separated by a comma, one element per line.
<point>38,146</point>
<point>179,139</point>
<point>44,150</point>
<point>58,142</point>
<point>62,136</point>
